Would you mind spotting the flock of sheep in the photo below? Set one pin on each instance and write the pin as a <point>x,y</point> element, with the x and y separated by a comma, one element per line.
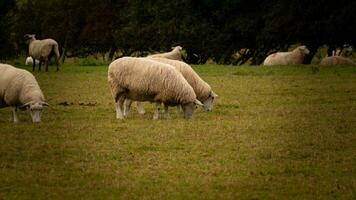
<point>160,78</point>
<point>297,57</point>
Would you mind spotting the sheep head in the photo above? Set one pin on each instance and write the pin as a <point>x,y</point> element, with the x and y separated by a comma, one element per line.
<point>304,50</point>
<point>189,108</point>
<point>35,109</point>
<point>208,103</point>
<point>179,48</point>
<point>29,37</point>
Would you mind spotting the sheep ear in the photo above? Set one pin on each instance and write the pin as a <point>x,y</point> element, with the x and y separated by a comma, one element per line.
<point>197,102</point>
<point>25,105</point>
<point>213,94</point>
<point>44,103</point>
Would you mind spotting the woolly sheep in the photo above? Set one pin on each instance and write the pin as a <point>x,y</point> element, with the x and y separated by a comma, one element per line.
<point>336,60</point>
<point>175,54</point>
<point>141,79</point>
<point>42,50</point>
<point>200,87</point>
<point>29,61</point>
<point>287,58</point>
<point>19,89</point>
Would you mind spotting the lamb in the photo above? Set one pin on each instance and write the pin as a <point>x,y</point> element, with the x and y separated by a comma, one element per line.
<point>287,58</point>
<point>141,79</point>
<point>336,60</point>
<point>200,87</point>
<point>42,50</point>
<point>19,89</point>
<point>29,61</point>
<point>175,54</point>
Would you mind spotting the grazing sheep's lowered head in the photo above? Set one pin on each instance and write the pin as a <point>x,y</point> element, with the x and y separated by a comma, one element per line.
<point>189,108</point>
<point>35,109</point>
<point>209,102</point>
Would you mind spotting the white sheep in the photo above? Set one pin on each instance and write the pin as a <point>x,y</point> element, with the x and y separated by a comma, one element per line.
<point>200,87</point>
<point>175,54</point>
<point>287,58</point>
<point>42,50</point>
<point>29,61</point>
<point>336,60</point>
<point>141,79</point>
<point>19,89</point>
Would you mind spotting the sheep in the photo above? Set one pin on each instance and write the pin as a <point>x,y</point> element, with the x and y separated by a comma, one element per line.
<point>287,58</point>
<point>19,89</point>
<point>200,87</point>
<point>42,50</point>
<point>141,79</point>
<point>175,54</point>
<point>29,61</point>
<point>336,60</point>
<point>344,51</point>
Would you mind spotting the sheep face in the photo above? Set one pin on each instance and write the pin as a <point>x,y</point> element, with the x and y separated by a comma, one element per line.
<point>35,110</point>
<point>208,103</point>
<point>189,108</point>
<point>304,50</point>
<point>29,37</point>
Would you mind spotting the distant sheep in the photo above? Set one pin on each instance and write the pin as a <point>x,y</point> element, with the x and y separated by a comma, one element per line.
<point>19,89</point>
<point>336,60</point>
<point>42,50</point>
<point>29,61</point>
<point>141,79</point>
<point>175,54</point>
<point>287,58</point>
<point>345,51</point>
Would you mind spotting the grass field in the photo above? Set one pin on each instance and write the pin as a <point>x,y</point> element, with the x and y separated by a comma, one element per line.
<point>275,133</point>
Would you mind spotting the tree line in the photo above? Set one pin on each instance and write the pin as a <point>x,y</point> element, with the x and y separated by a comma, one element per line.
<point>206,29</point>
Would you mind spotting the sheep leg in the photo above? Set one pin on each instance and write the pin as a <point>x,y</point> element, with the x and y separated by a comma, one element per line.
<point>179,109</point>
<point>46,63</point>
<point>127,106</point>
<point>139,107</point>
<point>119,108</point>
<point>33,64</point>
<point>166,113</point>
<point>13,117</point>
<point>157,110</point>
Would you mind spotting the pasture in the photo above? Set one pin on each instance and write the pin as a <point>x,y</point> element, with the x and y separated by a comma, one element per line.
<point>285,132</point>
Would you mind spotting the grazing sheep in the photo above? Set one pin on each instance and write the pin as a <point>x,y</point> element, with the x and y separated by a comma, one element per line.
<point>336,60</point>
<point>287,58</point>
<point>42,50</point>
<point>200,87</point>
<point>175,54</point>
<point>141,79</point>
<point>19,89</point>
<point>29,61</point>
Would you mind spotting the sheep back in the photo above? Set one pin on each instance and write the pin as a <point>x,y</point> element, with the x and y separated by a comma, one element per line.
<point>175,54</point>
<point>200,87</point>
<point>142,79</point>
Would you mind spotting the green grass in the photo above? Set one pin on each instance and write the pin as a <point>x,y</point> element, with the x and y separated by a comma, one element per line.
<point>275,133</point>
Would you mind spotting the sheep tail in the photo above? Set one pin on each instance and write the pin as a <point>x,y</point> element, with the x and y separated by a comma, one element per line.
<point>56,52</point>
